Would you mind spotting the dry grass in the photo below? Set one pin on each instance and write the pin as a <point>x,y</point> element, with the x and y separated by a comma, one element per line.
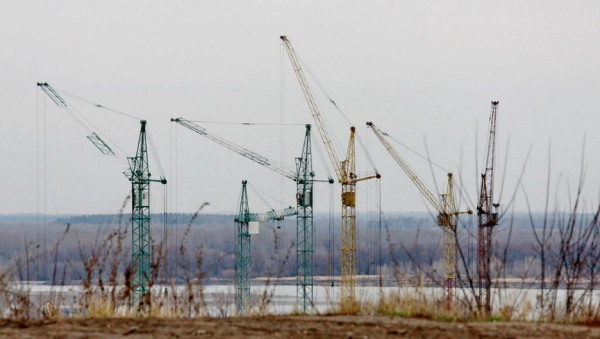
<point>106,288</point>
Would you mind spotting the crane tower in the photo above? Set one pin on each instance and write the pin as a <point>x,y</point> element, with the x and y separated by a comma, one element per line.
<point>346,174</point>
<point>487,218</point>
<point>137,171</point>
<point>304,176</point>
<point>447,214</point>
<point>247,225</point>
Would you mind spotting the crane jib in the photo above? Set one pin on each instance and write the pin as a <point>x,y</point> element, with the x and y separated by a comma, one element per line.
<point>58,100</point>
<point>100,144</point>
<point>76,117</point>
<point>236,148</point>
<point>313,107</point>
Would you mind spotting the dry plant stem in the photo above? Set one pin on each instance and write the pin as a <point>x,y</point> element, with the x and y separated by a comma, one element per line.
<point>392,250</point>
<point>268,295</point>
<point>465,300</point>
<point>428,273</point>
<point>55,251</point>
<point>188,307</point>
<point>117,258</point>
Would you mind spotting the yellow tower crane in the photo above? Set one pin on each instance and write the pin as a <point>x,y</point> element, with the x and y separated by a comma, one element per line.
<point>447,214</point>
<point>346,174</point>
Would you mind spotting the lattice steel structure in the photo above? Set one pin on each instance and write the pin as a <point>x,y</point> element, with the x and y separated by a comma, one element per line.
<point>243,253</point>
<point>447,215</point>
<point>487,219</point>
<point>141,238</point>
<point>136,169</point>
<point>346,174</point>
<point>305,230</point>
<point>447,220</point>
<point>304,178</point>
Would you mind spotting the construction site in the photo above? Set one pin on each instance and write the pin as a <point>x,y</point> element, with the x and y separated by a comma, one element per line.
<point>299,183</point>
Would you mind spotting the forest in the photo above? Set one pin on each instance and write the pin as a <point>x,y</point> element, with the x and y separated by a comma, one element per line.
<point>56,252</point>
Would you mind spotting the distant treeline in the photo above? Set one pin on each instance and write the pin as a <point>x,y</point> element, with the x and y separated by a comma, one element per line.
<point>172,218</point>
<point>394,220</point>
<point>413,242</point>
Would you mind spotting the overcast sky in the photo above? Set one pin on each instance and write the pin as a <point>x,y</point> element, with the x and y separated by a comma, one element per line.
<point>421,70</point>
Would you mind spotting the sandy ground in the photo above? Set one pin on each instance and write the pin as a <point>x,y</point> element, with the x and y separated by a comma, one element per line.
<point>286,327</point>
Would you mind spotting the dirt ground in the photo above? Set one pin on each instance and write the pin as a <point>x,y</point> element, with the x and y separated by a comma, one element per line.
<point>286,327</point>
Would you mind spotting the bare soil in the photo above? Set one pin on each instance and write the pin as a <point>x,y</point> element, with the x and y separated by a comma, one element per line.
<point>329,327</point>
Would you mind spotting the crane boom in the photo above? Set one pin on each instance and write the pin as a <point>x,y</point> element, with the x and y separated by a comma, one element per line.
<point>447,217</point>
<point>407,169</point>
<point>119,162</point>
<point>314,108</point>
<point>272,215</point>
<point>487,183</point>
<point>304,178</point>
<point>137,170</point>
<point>346,174</point>
<point>273,165</point>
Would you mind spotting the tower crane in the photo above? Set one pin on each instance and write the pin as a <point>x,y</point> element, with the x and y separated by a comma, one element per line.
<point>346,174</point>
<point>304,177</point>
<point>487,218</point>
<point>447,214</point>
<point>247,225</point>
<point>136,170</point>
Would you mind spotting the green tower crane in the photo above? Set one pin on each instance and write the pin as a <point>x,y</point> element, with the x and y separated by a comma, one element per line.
<point>247,225</point>
<point>304,177</point>
<point>141,240</point>
<point>305,229</point>
<point>137,171</point>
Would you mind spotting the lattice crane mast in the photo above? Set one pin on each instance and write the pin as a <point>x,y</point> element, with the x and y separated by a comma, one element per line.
<point>136,169</point>
<point>487,218</point>
<point>304,177</point>
<point>346,174</point>
<point>247,225</point>
<point>447,213</point>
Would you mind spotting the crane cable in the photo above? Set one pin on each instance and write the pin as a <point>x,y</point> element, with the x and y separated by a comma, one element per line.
<point>325,119</point>
<point>154,151</point>
<point>367,153</point>
<point>90,123</point>
<point>43,169</point>
<point>37,169</point>
<point>321,157</point>
<point>362,145</point>
<point>164,200</point>
<point>260,194</point>
<point>236,245</point>
<point>380,261</point>
<point>461,189</point>
<point>96,104</point>
<point>282,159</point>
<point>100,106</point>
<point>331,252</point>
<point>247,123</point>
<point>176,177</point>
<point>45,182</point>
<point>324,91</point>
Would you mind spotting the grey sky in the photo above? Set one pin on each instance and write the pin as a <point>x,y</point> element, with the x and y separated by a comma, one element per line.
<point>417,69</point>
